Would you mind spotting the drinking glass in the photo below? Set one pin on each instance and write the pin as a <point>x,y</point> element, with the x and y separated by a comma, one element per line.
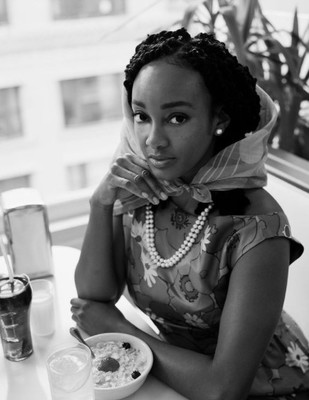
<point>69,370</point>
<point>15,299</point>
<point>42,307</point>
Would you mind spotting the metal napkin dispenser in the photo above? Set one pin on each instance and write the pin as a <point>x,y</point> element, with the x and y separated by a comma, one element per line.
<point>26,227</point>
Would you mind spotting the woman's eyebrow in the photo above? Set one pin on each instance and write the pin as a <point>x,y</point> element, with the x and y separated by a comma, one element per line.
<point>176,104</point>
<point>138,103</point>
<point>165,105</point>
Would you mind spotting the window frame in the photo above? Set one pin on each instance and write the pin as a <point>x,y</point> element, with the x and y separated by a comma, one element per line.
<point>289,167</point>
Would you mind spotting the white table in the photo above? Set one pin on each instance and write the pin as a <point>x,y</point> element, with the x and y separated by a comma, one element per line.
<point>27,379</point>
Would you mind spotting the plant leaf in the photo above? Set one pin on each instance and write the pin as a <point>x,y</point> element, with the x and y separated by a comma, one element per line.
<point>245,13</point>
<point>295,30</point>
<point>188,15</point>
<point>267,25</point>
<point>228,11</point>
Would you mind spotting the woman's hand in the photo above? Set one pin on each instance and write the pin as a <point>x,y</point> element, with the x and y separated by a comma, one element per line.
<point>95,317</point>
<point>128,175</point>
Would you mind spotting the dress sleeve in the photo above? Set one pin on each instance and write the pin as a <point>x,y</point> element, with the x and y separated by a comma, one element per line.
<point>251,230</point>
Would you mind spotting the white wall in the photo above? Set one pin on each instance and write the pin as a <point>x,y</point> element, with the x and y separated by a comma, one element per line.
<point>281,13</point>
<point>285,5</point>
<point>295,203</point>
<point>29,13</point>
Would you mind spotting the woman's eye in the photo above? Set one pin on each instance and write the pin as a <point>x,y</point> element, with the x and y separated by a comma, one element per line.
<point>139,117</point>
<point>178,119</point>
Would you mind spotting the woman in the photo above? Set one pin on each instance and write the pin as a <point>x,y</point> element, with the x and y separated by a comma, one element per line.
<point>202,247</point>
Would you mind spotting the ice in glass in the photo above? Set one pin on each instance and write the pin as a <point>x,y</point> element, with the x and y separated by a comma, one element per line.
<point>70,373</point>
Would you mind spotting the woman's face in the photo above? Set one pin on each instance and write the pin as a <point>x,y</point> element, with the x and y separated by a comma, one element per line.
<point>173,119</point>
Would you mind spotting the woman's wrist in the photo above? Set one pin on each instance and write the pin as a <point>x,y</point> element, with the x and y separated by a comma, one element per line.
<point>95,203</point>
<point>103,199</point>
<point>104,196</point>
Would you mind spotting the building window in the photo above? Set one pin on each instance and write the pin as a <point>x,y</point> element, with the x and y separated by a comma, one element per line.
<point>84,175</point>
<point>3,13</point>
<point>10,121</point>
<point>91,99</point>
<point>14,183</point>
<point>77,176</point>
<point>73,9</point>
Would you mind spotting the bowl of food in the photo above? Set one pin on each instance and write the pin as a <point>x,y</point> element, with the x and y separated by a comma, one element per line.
<point>121,364</point>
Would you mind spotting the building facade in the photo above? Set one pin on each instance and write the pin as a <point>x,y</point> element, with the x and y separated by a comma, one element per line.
<point>61,72</point>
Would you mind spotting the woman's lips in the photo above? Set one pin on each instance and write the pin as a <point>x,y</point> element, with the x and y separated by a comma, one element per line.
<point>161,162</point>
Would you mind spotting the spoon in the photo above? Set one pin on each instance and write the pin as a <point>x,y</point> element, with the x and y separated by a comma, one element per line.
<point>77,335</point>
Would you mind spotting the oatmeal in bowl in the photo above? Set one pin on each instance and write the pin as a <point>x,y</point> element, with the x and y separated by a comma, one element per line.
<point>121,364</point>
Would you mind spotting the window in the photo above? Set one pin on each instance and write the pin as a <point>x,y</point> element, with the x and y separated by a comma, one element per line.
<point>3,12</point>
<point>91,99</point>
<point>14,183</point>
<point>77,176</point>
<point>85,175</point>
<point>10,122</point>
<point>73,9</point>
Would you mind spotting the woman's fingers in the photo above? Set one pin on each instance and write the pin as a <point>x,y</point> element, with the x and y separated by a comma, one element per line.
<point>131,174</point>
<point>154,185</point>
<point>137,187</point>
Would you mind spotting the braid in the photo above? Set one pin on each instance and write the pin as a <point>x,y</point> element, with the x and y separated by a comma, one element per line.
<point>156,46</point>
<point>230,84</point>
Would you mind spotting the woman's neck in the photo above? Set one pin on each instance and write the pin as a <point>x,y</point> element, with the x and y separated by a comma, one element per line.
<point>185,202</point>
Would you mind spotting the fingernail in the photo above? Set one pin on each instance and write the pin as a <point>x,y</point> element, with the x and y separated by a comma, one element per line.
<point>144,194</point>
<point>155,200</point>
<point>163,196</point>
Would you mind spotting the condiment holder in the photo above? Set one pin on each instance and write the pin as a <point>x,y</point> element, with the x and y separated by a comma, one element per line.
<point>26,228</point>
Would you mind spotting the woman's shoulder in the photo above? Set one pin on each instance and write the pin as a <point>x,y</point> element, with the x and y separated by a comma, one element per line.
<point>260,217</point>
<point>264,219</point>
<point>245,202</point>
<point>260,202</point>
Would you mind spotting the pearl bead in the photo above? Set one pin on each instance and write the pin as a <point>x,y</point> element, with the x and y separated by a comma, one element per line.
<point>184,248</point>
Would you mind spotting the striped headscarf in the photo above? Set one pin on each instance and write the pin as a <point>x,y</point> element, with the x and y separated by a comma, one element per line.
<point>239,165</point>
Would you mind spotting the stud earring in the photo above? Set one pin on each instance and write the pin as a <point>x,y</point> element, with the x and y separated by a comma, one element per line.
<point>219,132</point>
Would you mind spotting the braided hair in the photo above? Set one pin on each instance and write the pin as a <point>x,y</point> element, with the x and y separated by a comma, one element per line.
<point>229,83</point>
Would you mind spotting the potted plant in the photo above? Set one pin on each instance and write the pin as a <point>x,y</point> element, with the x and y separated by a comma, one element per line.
<point>278,59</point>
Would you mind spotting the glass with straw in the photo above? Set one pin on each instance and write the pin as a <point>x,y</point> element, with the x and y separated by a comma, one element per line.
<point>15,300</point>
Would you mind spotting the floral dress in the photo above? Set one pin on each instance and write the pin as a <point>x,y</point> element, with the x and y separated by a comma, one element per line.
<point>186,301</point>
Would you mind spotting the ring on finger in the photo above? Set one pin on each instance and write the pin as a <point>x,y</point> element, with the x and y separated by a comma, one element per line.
<point>137,178</point>
<point>145,173</point>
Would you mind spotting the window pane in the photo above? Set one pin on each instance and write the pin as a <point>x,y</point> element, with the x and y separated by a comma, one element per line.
<point>3,12</point>
<point>81,101</point>
<point>110,92</point>
<point>85,175</point>
<point>10,122</point>
<point>14,183</point>
<point>91,99</point>
<point>71,9</point>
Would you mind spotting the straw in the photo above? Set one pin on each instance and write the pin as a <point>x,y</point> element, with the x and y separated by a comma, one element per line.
<point>7,261</point>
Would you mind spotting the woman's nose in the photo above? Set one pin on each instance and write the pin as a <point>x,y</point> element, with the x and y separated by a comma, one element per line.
<point>156,137</point>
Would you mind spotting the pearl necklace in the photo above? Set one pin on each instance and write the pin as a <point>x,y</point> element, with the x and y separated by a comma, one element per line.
<point>184,248</point>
